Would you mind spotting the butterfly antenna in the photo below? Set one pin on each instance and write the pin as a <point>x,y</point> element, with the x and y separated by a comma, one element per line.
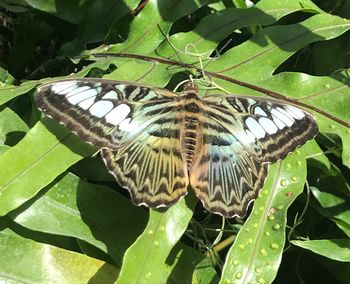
<point>217,52</point>
<point>176,51</point>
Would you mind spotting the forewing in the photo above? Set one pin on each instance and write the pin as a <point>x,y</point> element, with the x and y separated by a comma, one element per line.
<point>104,113</point>
<point>241,136</point>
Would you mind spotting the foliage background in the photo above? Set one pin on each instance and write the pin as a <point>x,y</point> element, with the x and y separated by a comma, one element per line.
<point>64,219</point>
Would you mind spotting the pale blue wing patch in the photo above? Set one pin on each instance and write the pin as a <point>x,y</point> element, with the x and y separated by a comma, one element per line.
<point>118,114</point>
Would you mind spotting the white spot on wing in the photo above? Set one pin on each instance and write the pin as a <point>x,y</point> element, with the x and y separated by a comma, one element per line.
<point>295,112</point>
<point>128,125</point>
<point>111,95</point>
<point>120,88</point>
<point>268,125</point>
<point>250,137</point>
<point>118,114</point>
<point>79,97</point>
<point>260,111</point>
<point>284,118</point>
<point>78,90</point>
<point>86,104</point>
<point>255,127</point>
<point>278,122</point>
<point>61,87</point>
<point>101,108</point>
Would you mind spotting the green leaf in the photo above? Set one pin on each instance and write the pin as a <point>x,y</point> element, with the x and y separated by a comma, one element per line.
<point>25,167</point>
<point>8,92</point>
<point>332,192</point>
<point>337,249</point>
<point>281,41</point>
<point>12,127</point>
<point>99,17</point>
<point>68,10</point>
<point>147,30</point>
<point>26,261</point>
<point>92,213</point>
<point>152,248</point>
<point>217,26</point>
<point>256,253</point>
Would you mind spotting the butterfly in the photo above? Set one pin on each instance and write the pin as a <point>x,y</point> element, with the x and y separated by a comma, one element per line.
<point>157,143</point>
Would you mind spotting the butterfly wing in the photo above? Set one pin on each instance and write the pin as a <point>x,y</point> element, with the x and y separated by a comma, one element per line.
<point>151,167</point>
<point>240,138</point>
<point>135,126</point>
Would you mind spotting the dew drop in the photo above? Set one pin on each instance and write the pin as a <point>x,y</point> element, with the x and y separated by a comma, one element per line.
<point>348,131</point>
<point>299,163</point>
<point>150,232</point>
<point>250,241</point>
<point>267,233</point>
<point>247,230</point>
<point>276,227</point>
<point>266,192</point>
<point>162,228</point>
<point>148,274</point>
<point>297,151</point>
<point>261,208</point>
<point>156,243</point>
<point>255,225</point>
<point>274,246</point>
<point>289,165</point>
<point>261,280</point>
<point>294,179</point>
<point>283,182</point>
<point>332,126</point>
<point>258,270</point>
<point>228,281</point>
<point>235,262</point>
<point>238,275</point>
<point>241,246</point>
<point>263,252</point>
<point>280,207</point>
<point>327,85</point>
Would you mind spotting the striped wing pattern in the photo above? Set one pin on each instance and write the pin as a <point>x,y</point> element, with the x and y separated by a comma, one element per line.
<point>156,143</point>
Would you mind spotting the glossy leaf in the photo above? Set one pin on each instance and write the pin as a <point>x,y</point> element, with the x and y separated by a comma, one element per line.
<point>163,231</point>
<point>26,261</point>
<point>203,39</point>
<point>8,92</point>
<point>281,41</point>
<point>147,30</point>
<point>92,213</point>
<point>256,253</point>
<point>337,249</point>
<point>332,192</point>
<point>25,168</point>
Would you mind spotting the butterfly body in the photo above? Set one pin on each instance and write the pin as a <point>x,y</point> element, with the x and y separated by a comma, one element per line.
<point>157,143</point>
